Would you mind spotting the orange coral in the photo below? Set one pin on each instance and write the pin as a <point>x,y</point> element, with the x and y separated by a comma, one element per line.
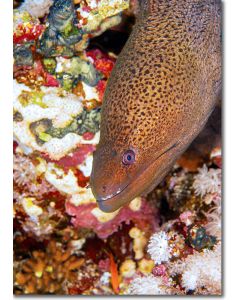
<point>45,272</point>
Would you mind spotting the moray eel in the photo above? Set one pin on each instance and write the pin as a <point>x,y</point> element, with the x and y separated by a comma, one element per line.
<point>159,96</point>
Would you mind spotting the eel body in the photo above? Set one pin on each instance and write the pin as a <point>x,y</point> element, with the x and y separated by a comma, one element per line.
<point>160,94</point>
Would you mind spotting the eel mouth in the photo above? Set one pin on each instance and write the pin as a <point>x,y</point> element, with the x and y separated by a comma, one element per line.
<point>114,201</point>
<point>110,203</point>
<point>112,195</point>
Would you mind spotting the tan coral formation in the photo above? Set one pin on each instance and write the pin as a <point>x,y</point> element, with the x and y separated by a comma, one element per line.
<point>45,272</point>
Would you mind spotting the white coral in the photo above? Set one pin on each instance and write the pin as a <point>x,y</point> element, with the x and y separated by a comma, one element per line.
<point>207,181</point>
<point>102,14</point>
<point>38,229</point>
<point>25,174</point>
<point>200,270</point>
<point>61,108</point>
<point>158,247</point>
<point>214,224</point>
<point>105,278</point>
<point>36,8</point>
<point>23,170</point>
<point>147,285</point>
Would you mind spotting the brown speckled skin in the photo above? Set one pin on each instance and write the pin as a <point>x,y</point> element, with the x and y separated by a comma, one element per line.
<point>159,96</point>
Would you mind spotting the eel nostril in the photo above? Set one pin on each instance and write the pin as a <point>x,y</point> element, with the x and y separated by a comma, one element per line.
<point>104,188</point>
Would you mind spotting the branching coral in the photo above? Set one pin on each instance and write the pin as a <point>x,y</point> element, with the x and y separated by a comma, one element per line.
<point>46,271</point>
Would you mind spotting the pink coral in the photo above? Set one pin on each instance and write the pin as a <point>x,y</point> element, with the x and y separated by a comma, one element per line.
<point>104,265</point>
<point>187,217</point>
<point>82,216</point>
<point>159,270</point>
<point>75,158</point>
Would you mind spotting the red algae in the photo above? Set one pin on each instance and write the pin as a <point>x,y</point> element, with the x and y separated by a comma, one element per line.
<point>144,218</point>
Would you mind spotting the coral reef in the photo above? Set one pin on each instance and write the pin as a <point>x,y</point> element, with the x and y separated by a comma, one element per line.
<point>165,243</point>
<point>104,224</point>
<point>37,8</point>
<point>46,270</point>
<point>187,250</point>
<point>148,285</point>
<point>201,271</point>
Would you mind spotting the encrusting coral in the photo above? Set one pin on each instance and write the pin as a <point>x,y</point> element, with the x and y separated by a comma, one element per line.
<point>36,8</point>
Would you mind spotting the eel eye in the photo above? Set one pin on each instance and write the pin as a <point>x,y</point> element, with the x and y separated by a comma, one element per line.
<point>128,157</point>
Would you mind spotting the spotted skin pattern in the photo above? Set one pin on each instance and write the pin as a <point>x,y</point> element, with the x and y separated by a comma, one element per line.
<point>159,96</point>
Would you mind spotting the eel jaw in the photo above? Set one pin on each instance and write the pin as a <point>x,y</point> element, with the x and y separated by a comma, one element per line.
<point>109,205</point>
<point>112,202</point>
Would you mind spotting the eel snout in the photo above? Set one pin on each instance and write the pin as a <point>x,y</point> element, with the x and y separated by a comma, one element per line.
<point>109,181</point>
<point>115,184</point>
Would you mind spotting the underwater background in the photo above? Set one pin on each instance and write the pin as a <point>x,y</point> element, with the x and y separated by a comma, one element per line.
<point>168,243</point>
